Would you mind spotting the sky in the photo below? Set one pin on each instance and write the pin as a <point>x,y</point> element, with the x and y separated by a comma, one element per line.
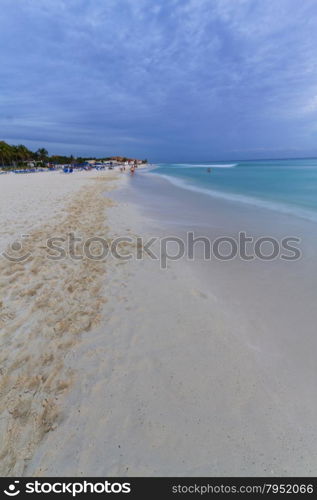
<point>167,80</point>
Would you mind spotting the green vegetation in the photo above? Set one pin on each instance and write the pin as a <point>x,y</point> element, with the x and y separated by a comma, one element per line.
<point>20,157</point>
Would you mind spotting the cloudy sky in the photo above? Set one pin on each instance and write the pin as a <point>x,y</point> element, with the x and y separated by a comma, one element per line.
<point>162,79</point>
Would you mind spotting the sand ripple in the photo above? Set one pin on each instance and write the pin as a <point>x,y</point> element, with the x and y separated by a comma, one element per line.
<point>44,306</point>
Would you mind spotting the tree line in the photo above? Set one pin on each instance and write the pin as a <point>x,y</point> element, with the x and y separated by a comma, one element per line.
<point>18,156</point>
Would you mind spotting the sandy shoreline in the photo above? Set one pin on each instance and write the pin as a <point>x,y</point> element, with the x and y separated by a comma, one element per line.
<point>120,368</point>
<point>45,305</point>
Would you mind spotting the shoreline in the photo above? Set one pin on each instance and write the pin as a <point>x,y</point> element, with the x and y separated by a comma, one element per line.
<point>165,382</point>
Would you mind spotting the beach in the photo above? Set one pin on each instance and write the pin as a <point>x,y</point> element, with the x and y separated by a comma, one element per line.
<point>118,367</point>
<point>45,304</point>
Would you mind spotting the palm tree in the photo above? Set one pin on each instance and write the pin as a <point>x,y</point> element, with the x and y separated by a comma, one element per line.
<point>23,152</point>
<point>5,153</point>
<point>42,153</point>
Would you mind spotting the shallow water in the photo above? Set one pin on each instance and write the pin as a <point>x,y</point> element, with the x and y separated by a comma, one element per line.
<point>287,186</point>
<point>270,304</point>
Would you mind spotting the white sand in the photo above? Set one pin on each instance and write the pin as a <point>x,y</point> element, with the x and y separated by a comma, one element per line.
<point>28,200</point>
<point>44,304</point>
<point>139,373</point>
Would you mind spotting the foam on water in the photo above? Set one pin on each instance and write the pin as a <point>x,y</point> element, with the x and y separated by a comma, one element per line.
<point>285,186</point>
<point>205,165</point>
<point>270,205</point>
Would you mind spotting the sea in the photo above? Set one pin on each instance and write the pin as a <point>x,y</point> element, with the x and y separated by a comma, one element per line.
<point>270,304</point>
<point>287,186</point>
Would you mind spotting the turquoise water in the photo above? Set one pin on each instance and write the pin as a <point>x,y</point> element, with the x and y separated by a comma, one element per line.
<point>288,186</point>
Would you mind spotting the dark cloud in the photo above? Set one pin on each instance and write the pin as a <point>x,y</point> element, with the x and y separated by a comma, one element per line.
<point>189,79</point>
